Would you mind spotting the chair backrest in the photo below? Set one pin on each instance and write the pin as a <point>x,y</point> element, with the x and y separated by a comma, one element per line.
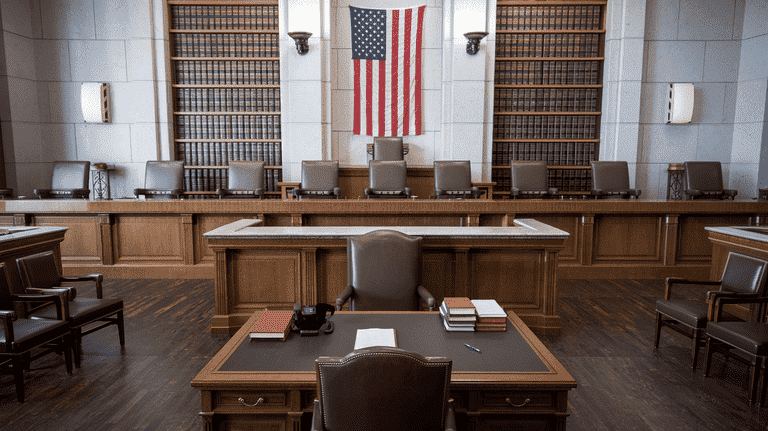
<point>387,175</point>
<point>388,148</point>
<point>164,175</point>
<point>744,274</point>
<point>384,267</point>
<point>5,289</point>
<point>453,175</point>
<point>610,175</point>
<point>70,175</point>
<point>245,175</point>
<point>705,176</point>
<point>39,270</point>
<point>382,385</point>
<point>529,176</point>
<point>319,175</point>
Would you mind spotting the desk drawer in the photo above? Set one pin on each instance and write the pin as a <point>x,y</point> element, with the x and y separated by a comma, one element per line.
<point>250,401</point>
<point>527,401</point>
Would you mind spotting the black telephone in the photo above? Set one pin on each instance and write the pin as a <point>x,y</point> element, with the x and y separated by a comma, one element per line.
<point>309,319</point>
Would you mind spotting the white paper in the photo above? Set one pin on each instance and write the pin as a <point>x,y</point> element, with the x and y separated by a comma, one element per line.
<point>375,337</point>
<point>488,308</point>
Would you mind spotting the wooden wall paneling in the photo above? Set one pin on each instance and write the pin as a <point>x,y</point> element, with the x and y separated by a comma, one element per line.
<point>567,222</point>
<point>296,220</point>
<point>439,273</point>
<point>22,219</point>
<point>671,230</point>
<point>309,275</point>
<point>693,243</point>
<point>629,238</point>
<point>265,278</point>
<point>148,239</point>
<point>587,234</point>
<point>392,219</point>
<point>6,220</point>
<point>107,255</point>
<point>508,220</point>
<point>188,238</point>
<point>507,276</point>
<point>331,274</point>
<point>473,220</point>
<point>205,223</point>
<point>492,219</point>
<point>82,242</point>
<point>549,291</point>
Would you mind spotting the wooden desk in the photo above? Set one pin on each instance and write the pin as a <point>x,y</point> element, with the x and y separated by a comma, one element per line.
<point>16,242</point>
<point>483,400</point>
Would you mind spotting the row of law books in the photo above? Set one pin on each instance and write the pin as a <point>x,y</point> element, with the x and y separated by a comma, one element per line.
<point>564,180</point>
<point>221,153</point>
<point>228,99</point>
<point>225,45</point>
<point>227,72</point>
<point>546,99</point>
<point>463,314</point>
<point>553,153</point>
<point>217,17</point>
<point>548,45</point>
<point>228,127</point>
<point>565,72</point>
<point>580,17</point>
<point>210,180</point>
<point>545,126</point>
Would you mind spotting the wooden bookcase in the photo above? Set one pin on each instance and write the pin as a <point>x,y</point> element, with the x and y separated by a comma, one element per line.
<point>548,89</point>
<point>225,69</point>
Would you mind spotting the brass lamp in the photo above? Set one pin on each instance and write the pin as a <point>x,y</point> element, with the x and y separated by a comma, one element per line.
<point>302,40</point>
<point>473,41</point>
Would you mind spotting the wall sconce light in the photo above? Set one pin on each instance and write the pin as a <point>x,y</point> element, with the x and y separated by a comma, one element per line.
<point>94,102</point>
<point>302,40</point>
<point>473,41</point>
<point>680,108</point>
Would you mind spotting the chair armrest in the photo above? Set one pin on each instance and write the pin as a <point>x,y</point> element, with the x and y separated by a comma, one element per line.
<point>295,192</point>
<point>553,191</point>
<point>177,193</point>
<point>407,191</point>
<point>598,192</point>
<point>693,192</point>
<point>344,297</point>
<point>450,417</point>
<point>58,296</point>
<point>96,278</point>
<point>40,193</point>
<point>138,192</point>
<point>426,297</point>
<point>368,191</point>
<point>714,295</point>
<point>730,193</point>
<point>677,280</point>
<point>69,291</point>
<point>723,301</point>
<point>476,192</point>
<point>8,316</point>
<point>317,417</point>
<point>438,192</point>
<point>337,191</point>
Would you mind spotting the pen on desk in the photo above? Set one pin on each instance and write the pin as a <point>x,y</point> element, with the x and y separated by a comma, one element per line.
<point>472,348</point>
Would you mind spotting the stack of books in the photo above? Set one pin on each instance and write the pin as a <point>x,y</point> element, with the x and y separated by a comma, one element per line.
<point>272,325</point>
<point>490,315</point>
<point>458,314</point>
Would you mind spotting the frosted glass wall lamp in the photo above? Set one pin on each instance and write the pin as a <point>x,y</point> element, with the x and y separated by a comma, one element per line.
<point>680,109</point>
<point>302,40</point>
<point>473,41</point>
<point>94,102</point>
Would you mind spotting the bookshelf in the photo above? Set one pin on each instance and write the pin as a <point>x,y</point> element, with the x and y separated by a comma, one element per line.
<point>548,89</point>
<point>225,69</point>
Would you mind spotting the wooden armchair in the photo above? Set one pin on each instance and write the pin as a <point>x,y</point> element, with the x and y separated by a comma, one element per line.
<point>453,179</point>
<point>244,180</point>
<point>163,180</point>
<point>68,180</point>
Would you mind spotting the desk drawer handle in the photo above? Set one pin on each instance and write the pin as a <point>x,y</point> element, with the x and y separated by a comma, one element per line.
<point>527,400</point>
<point>259,401</point>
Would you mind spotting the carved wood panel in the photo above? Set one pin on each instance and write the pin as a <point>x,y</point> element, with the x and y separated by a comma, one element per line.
<point>508,277</point>
<point>82,242</point>
<point>148,239</point>
<point>693,243</point>
<point>629,238</point>
<point>204,223</point>
<point>263,278</point>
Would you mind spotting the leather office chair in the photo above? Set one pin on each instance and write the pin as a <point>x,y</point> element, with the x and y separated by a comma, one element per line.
<point>245,180</point>
<point>163,180</point>
<point>68,180</point>
<point>387,180</point>
<point>704,180</point>
<point>319,180</point>
<point>384,273</point>
<point>6,194</point>
<point>19,336</point>
<point>453,179</point>
<point>743,276</point>
<point>40,273</point>
<point>529,180</point>
<point>749,338</point>
<point>611,180</point>
<point>388,148</point>
<point>383,388</point>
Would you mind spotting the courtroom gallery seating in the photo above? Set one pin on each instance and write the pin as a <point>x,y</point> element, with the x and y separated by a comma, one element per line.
<point>610,179</point>
<point>384,273</point>
<point>704,180</point>
<point>387,180</point>
<point>529,180</point>
<point>19,336</point>
<point>163,180</point>
<point>453,179</point>
<point>388,148</point>
<point>743,277</point>
<point>39,273</point>
<point>319,180</point>
<point>383,388</point>
<point>68,180</point>
<point>244,180</point>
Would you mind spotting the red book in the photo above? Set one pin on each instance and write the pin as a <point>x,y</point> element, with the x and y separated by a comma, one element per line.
<point>457,305</point>
<point>272,324</point>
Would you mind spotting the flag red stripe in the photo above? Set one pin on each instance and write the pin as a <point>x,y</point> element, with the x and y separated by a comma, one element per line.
<point>382,96</point>
<point>356,116</point>
<point>406,69</point>
<point>368,97</point>
<point>393,54</point>
<point>417,108</point>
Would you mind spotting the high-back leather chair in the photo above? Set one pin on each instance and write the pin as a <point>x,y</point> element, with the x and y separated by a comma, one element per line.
<point>387,179</point>
<point>529,180</point>
<point>244,180</point>
<point>319,180</point>
<point>704,180</point>
<point>610,179</point>
<point>743,276</point>
<point>390,148</point>
<point>384,273</point>
<point>453,179</point>
<point>68,180</point>
<point>383,388</point>
<point>163,180</point>
<point>19,336</point>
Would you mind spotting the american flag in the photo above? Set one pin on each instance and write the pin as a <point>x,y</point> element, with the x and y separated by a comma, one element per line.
<point>386,62</point>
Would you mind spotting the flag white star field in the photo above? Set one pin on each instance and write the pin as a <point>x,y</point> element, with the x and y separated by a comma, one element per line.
<point>386,63</point>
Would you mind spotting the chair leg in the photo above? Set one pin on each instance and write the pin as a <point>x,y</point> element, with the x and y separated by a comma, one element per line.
<point>754,375</point>
<point>121,327</point>
<point>77,340</point>
<point>658,330</point>
<point>67,340</point>
<point>708,357</point>
<point>763,385</point>
<point>18,376</point>
<point>696,337</point>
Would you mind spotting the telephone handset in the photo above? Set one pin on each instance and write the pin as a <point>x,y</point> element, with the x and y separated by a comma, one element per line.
<point>309,319</point>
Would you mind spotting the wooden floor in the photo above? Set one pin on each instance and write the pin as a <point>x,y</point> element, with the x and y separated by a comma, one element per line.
<point>606,344</point>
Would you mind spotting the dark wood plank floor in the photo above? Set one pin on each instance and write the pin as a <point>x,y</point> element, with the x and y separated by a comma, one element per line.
<point>606,344</point>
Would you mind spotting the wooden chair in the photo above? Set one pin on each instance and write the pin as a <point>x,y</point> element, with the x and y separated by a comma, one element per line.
<point>705,181</point>
<point>611,180</point>
<point>319,180</point>
<point>453,179</point>
<point>244,180</point>
<point>529,180</point>
<point>388,148</point>
<point>68,180</point>
<point>387,180</point>
<point>163,180</point>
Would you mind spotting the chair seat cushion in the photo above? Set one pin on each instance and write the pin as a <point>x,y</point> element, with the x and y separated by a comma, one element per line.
<point>691,313</point>
<point>749,336</point>
<point>29,333</point>
<point>84,310</point>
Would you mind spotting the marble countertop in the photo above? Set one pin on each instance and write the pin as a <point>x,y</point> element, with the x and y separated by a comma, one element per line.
<point>754,233</point>
<point>524,228</point>
<point>8,234</point>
